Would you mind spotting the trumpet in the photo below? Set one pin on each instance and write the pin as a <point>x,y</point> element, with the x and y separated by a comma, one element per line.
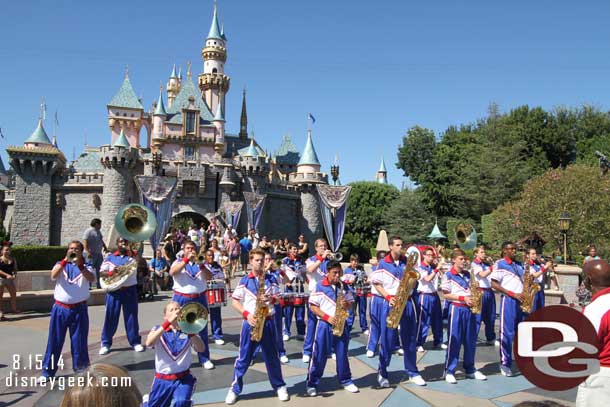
<point>488,261</point>
<point>73,258</point>
<point>335,256</point>
<point>193,318</point>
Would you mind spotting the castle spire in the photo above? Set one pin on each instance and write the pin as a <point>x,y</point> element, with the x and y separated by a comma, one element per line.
<point>243,121</point>
<point>382,173</point>
<point>309,156</point>
<point>215,27</point>
<point>160,109</point>
<point>173,75</point>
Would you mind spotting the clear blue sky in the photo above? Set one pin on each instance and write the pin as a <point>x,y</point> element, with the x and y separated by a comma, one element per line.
<point>367,70</point>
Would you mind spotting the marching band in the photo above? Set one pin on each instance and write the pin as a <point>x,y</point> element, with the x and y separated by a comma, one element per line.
<point>403,295</point>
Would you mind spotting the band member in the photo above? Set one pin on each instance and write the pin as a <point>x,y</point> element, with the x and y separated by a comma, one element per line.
<point>429,302</point>
<point>173,379</point>
<point>69,311</point>
<point>462,322</point>
<point>190,285</point>
<point>215,312</point>
<point>537,270</point>
<point>323,304</point>
<point>244,301</point>
<point>316,271</point>
<point>126,297</point>
<point>280,276</point>
<point>355,276</point>
<point>295,286</point>
<point>373,340</point>
<point>507,278</point>
<point>386,280</point>
<point>481,271</point>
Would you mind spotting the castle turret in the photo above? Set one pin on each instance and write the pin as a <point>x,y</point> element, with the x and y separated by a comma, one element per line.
<point>119,162</point>
<point>219,123</point>
<point>173,86</point>
<point>126,113</point>
<point>243,120</point>
<point>159,117</point>
<point>213,80</point>
<point>382,173</point>
<point>36,164</point>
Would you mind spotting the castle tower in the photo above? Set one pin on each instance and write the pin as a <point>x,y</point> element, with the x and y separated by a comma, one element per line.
<point>213,82</point>
<point>219,123</point>
<point>159,117</point>
<point>382,173</point>
<point>173,86</point>
<point>119,162</point>
<point>35,165</point>
<point>126,114</point>
<point>243,120</point>
<point>307,176</point>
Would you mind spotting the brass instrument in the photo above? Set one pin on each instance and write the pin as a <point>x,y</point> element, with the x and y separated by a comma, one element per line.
<point>475,294</point>
<point>488,261</point>
<point>407,282</point>
<point>193,318</point>
<point>530,288</point>
<point>135,222</point>
<point>73,258</point>
<point>261,312</point>
<point>465,235</point>
<point>335,256</point>
<point>120,274</point>
<point>341,314</point>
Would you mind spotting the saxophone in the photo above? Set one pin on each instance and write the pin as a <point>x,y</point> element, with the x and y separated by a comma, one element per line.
<point>475,294</point>
<point>341,314</point>
<point>261,312</point>
<point>407,282</point>
<point>530,288</point>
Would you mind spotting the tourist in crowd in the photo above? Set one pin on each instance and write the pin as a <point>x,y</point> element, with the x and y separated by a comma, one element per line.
<point>8,274</point>
<point>195,236</point>
<point>280,249</point>
<point>234,250</point>
<point>216,249</point>
<point>212,229</point>
<point>591,254</point>
<point>94,244</point>
<point>303,251</point>
<point>245,247</point>
<point>159,270</point>
<point>265,244</point>
<point>254,238</point>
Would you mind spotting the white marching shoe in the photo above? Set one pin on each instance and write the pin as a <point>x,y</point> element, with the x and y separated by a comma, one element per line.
<point>505,370</point>
<point>208,365</point>
<point>418,380</point>
<point>219,342</point>
<point>420,349</point>
<point>497,343</point>
<point>370,353</point>
<point>306,358</point>
<point>312,392</point>
<point>352,388</point>
<point>366,332</point>
<point>231,397</point>
<point>286,338</point>
<point>42,380</point>
<point>138,348</point>
<point>401,352</point>
<point>104,350</point>
<point>383,382</point>
<point>284,359</point>
<point>443,346</point>
<point>476,375</point>
<point>334,356</point>
<point>282,394</point>
<point>449,378</point>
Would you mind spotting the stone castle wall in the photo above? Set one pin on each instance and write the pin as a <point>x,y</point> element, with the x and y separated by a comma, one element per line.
<point>32,209</point>
<point>71,220</point>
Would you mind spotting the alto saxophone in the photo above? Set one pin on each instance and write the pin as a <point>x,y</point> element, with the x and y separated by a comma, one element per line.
<point>407,282</point>
<point>341,314</point>
<point>530,288</point>
<point>475,294</point>
<point>261,312</point>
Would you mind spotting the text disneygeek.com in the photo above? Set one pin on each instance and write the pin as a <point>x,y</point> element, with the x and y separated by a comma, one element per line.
<point>63,382</point>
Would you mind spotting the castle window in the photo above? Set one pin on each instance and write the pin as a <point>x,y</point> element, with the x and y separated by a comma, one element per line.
<point>190,122</point>
<point>189,153</point>
<point>214,70</point>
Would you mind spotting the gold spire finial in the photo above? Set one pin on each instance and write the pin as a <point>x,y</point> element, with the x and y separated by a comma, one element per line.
<point>188,69</point>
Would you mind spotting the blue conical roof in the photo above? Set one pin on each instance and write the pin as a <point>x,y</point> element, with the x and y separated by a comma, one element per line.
<point>39,135</point>
<point>121,141</point>
<point>160,109</point>
<point>309,156</point>
<point>215,27</point>
<point>436,233</point>
<point>220,116</point>
<point>173,75</point>
<point>382,166</point>
<point>126,97</point>
<point>251,151</point>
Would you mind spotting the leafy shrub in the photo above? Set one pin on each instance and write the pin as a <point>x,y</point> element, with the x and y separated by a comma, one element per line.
<point>38,257</point>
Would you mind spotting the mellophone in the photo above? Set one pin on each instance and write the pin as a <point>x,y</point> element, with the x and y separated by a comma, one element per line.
<point>216,293</point>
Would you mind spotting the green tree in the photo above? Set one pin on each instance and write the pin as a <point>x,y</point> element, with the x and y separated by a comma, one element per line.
<point>415,154</point>
<point>365,210</point>
<point>408,217</point>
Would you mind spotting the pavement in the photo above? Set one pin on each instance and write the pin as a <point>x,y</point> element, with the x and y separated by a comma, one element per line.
<point>24,336</point>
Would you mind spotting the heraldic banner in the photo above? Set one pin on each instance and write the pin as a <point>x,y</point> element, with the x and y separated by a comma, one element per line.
<point>254,208</point>
<point>233,213</point>
<point>333,204</point>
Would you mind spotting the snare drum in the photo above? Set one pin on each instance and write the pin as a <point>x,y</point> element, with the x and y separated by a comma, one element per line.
<point>301,300</point>
<point>363,290</point>
<point>216,293</point>
<point>287,299</point>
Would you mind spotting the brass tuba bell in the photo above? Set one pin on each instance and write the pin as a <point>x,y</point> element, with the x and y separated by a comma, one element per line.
<point>135,222</point>
<point>193,318</point>
<point>465,236</point>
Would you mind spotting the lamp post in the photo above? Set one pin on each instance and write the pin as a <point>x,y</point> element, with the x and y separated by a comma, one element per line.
<point>564,226</point>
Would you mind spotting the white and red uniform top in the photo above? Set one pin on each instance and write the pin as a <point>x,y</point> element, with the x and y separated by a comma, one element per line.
<point>598,312</point>
<point>116,259</point>
<point>427,287</point>
<point>71,287</point>
<point>190,280</point>
<point>318,274</point>
<point>325,296</point>
<point>535,268</point>
<point>457,283</point>
<point>477,266</point>
<point>247,289</point>
<point>172,352</point>
<point>509,274</point>
<point>389,273</point>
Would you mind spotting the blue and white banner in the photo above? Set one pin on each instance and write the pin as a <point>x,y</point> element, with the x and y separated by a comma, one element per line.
<point>333,205</point>
<point>158,194</point>
<point>233,213</point>
<point>254,208</point>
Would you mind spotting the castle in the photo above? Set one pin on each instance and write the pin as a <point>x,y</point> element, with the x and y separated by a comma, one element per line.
<point>45,200</point>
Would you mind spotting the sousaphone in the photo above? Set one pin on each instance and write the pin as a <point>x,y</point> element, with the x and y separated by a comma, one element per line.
<point>465,235</point>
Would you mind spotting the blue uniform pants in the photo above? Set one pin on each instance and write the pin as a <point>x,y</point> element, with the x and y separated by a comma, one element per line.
<point>312,322</point>
<point>299,315</point>
<point>487,315</point>
<point>63,319</point>
<point>126,298</point>
<point>374,329</point>
<point>216,321</point>
<point>202,299</point>
<point>430,314</point>
<point>360,305</point>
<point>163,392</point>
<point>510,316</point>
<point>408,338</point>
<point>268,345</point>
<point>278,327</point>
<point>323,342</point>
<point>538,300</point>
<point>462,331</point>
